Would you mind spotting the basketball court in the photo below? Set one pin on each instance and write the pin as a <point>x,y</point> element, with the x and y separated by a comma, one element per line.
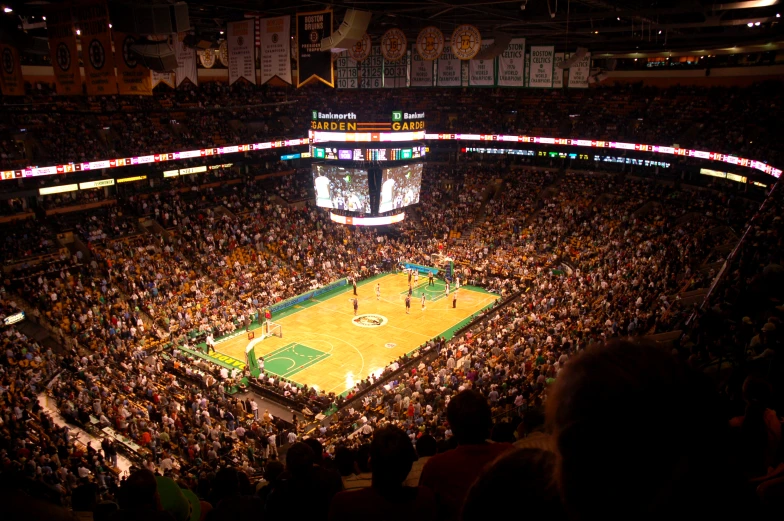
<point>324,345</point>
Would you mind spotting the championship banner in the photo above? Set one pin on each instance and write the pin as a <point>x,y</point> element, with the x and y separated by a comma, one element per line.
<point>346,71</point>
<point>163,77</point>
<point>96,48</point>
<point>481,73</point>
<point>541,75</point>
<point>527,75</point>
<point>242,61</point>
<point>11,81</point>
<point>62,48</point>
<point>511,63</point>
<point>465,42</point>
<point>449,68</point>
<point>557,71</point>
<point>430,43</point>
<point>132,77</point>
<point>421,71</point>
<point>312,62</point>
<point>393,45</point>
<point>275,49</point>
<point>579,72</point>
<point>186,62</point>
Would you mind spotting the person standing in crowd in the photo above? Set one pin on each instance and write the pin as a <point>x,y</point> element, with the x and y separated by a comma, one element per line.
<point>210,343</point>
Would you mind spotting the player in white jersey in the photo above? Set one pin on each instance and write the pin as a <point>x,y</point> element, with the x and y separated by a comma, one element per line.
<point>446,288</point>
<point>416,277</point>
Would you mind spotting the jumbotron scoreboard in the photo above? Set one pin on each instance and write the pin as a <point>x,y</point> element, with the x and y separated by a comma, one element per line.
<point>342,127</point>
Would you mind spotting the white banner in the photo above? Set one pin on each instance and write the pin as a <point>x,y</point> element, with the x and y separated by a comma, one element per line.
<point>557,71</point>
<point>448,69</point>
<point>186,62</point>
<point>242,61</point>
<point>371,70</point>
<point>541,66</point>
<point>421,71</point>
<point>275,48</point>
<point>579,72</point>
<point>527,76</point>
<point>346,72</point>
<point>511,64</point>
<point>481,73</point>
<point>163,77</point>
<point>396,73</point>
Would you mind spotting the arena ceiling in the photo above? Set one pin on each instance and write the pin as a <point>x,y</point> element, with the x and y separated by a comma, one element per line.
<point>600,25</point>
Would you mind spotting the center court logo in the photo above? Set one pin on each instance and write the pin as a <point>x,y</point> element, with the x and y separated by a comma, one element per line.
<point>369,320</point>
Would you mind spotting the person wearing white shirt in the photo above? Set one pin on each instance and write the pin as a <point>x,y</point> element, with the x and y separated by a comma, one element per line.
<point>292,437</point>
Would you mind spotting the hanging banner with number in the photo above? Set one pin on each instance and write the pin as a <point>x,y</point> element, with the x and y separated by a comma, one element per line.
<point>62,48</point>
<point>481,73</point>
<point>430,43</point>
<point>527,76</point>
<point>421,71</point>
<point>347,71</point>
<point>11,80</point>
<point>449,69</point>
<point>132,77</point>
<point>393,45</point>
<point>275,48</point>
<point>242,61</point>
<point>186,62</point>
<point>312,62</point>
<point>98,60</point>
<point>541,75</point>
<point>371,70</point>
<point>511,63</point>
<point>396,73</point>
<point>465,42</point>
<point>557,71</point>
<point>579,72</point>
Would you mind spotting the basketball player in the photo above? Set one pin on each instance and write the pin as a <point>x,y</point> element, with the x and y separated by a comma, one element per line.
<point>410,290</point>
<point>267,318</point>
<point>416,277</point>
<point>378,291</point>
<point>408,304</point>
<point>423,301</point>
<point>430,278</point>
<point>354,283</point>
<point>454,300</point>
<point>457,282</point>
<point>356,306</point>
<point>446,289</point>
<point>409,276</point>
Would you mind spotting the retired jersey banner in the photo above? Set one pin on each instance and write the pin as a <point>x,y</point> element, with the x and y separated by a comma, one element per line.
<point>449,69</point>
<point>275,48</point>
<point>162,77</point>
<point>421,71</point>
<point>542,58</point>
<point>371,70</point>
<point>346,70</point>
<point>393,45</point>
<point>96,48</point>
<point>11,80</point>
<point>186,62</point>
<point>430,43</point>
<point>481,73</point>
<point>242,61</point>
<point>557,71</point>
<point>312,62</point>
<point>207,58</point>
<point>579,72</point>
<point>465,42</point>
<point>396,73</point>
<point>132,76</point>
<point>62,48</point>
<point>511,63</point>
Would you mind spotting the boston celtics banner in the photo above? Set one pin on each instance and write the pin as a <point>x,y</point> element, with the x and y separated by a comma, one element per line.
<point>62,48</point>
<point>541,75</point>
<point>132,76</point>
<point>312,62</point>
<point>511,63</point>
<point>11,81</point>
<point>421,71</point>
<point>186,62</point>
<point>97,55</point>
<point>275,49</point>
<point>449,69</point>
<point>579,72</point>
<point>481,73</point>
<point>557,71</point>
<point>241,44</point>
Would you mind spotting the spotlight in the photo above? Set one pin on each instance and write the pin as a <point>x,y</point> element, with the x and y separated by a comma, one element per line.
<point>7,10</point>
<point>659,31</point>
<point>78,32</point>
<point>750,24</point>
<point>757,24</point>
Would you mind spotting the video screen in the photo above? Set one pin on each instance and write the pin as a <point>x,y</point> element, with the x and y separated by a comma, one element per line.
<point>400,186</point>
<point>341,188</point>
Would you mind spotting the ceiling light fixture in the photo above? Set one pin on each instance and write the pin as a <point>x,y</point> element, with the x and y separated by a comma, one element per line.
<point>757,24</point>
<point>7,10</point>
<point>750,24</point>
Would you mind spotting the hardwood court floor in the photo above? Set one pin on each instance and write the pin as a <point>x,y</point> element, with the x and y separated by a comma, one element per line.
<point>322,346</point>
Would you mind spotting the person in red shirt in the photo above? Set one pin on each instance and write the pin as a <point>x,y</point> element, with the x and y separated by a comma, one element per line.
<point>450,475</point>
